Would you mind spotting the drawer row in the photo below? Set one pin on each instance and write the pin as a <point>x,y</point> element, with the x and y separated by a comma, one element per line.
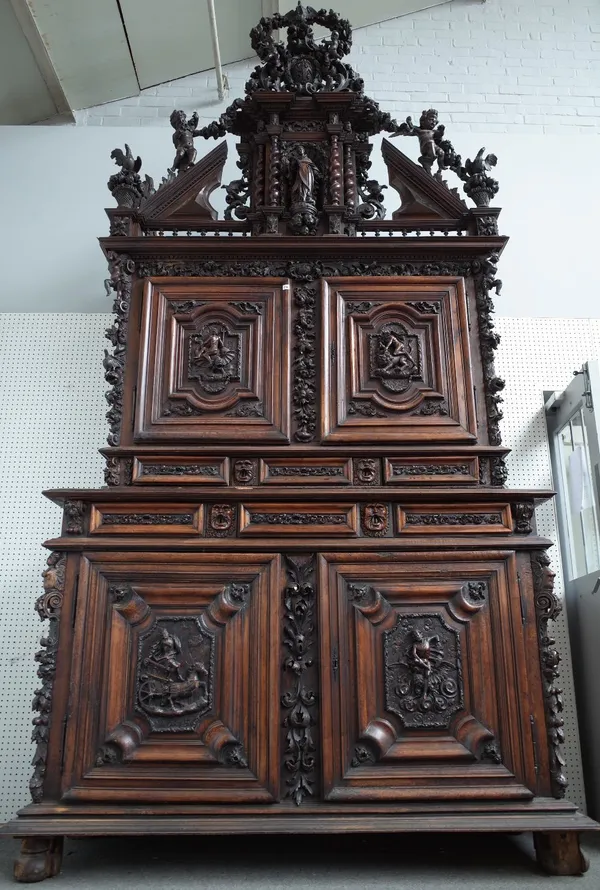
<point>458,470</point>
<point>262,519</point>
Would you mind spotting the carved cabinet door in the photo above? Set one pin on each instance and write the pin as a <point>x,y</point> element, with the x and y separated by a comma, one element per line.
<point>175,679</point>
<point>424,689</point>
<point>396,361</point>
<point>214,361</point>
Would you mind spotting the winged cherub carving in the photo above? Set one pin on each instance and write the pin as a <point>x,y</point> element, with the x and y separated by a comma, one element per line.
<point>183,140</point>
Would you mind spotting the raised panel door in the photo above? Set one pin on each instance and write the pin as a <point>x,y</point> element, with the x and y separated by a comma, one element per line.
<point>215,361</point>
<point>396,361</point>
<point>424,688</point>
<point>175,679</point>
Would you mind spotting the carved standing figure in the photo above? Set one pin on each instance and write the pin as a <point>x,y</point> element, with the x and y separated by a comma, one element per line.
<point>429,134</point>
<point>183,140</point>
<point>303,187</point>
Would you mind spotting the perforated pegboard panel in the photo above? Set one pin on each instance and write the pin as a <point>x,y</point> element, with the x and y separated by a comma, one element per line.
<point>538,354</point>
<point>52,423</point>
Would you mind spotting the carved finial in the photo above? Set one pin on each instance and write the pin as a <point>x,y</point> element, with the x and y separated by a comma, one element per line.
<point>478,185</point>
<point>126,186</point>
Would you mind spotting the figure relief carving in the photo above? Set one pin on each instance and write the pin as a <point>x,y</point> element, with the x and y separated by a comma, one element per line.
<point>175,673</point>
<point>395,357</point>
<point>214,357</point>
<point>423,675</point>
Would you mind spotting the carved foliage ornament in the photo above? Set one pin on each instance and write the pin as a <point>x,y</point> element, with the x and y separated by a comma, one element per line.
<point>547,608</point>
<point>121,268</point>
<point>48,607</point>
<point>299,699</point>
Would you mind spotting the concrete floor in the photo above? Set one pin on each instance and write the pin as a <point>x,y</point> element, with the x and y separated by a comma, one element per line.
<point>295,862</point>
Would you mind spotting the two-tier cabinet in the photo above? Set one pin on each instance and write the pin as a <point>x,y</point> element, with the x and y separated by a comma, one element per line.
<point>305,600</point>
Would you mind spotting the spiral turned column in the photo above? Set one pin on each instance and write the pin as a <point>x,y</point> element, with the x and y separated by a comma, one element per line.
<point>335,171</point>
<point>349,178</point>
<point>275,172</point>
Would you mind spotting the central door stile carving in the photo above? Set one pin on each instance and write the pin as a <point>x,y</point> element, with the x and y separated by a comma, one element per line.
<point>299,697</point>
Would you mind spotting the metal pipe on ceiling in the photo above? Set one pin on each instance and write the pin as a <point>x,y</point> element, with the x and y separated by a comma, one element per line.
<point>212,18</point>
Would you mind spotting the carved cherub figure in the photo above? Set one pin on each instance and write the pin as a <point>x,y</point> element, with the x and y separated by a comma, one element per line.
<point>183,140</point>
<point>126,161</point>
<point>429,134</point>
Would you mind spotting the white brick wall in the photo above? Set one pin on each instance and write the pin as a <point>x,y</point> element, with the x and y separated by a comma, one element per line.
<point>514,66</point>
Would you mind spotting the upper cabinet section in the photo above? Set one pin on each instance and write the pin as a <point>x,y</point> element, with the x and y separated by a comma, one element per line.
<point>214,361</point>
<point>396,362</point>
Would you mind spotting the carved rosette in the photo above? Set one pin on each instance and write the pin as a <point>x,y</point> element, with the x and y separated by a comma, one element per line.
<point>299,699</point>
<point>48,607</point>
<point>547,608</point>
<point>121,268</point>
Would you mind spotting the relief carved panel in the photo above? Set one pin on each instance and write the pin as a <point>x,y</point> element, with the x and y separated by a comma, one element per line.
<point>175,680</point>
<point>214,366</point>
<point>394,370</point>
<point>422,668</point>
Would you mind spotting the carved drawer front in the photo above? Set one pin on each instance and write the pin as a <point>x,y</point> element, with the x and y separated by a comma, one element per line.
<point>146,519</point>
<point>437,470</point>
<point>306,471</point>
<point>424,689</point>
<point>396,361</point>
<point>215,361</point>
<point>432,519</point>
<point>181,470</point>
<point>175,679</point>
<point>299,519</point>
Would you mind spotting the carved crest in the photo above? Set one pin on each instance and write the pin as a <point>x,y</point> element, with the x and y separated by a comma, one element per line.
<point>395,357</point>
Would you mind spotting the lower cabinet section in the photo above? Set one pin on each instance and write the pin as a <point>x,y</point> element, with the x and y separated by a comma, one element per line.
<point>260,677</point>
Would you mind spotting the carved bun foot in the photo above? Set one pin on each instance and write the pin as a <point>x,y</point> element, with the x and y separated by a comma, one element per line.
<point>40,858</point>
<point>559,853</point>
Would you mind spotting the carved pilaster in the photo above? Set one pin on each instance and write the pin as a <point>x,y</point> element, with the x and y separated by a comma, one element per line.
<point>48,607</point>
<point>547,608</point>
<point>299,698</point>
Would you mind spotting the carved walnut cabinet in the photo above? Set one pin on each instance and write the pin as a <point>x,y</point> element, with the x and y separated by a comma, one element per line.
<point>305,600</point>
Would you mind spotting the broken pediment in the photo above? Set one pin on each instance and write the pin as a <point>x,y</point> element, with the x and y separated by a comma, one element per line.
<point>422,195</point>
<point>184,199</point>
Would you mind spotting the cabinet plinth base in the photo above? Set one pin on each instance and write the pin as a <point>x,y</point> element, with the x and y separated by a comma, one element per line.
<point>559,853</point>
<point>39,858</point>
